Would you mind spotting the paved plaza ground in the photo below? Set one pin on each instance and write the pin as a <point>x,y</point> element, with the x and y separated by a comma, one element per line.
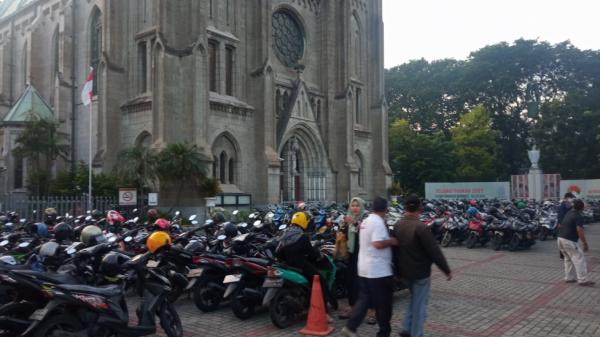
<point>493,294</point>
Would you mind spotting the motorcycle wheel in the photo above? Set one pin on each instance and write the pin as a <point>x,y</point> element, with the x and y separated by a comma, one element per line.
<point>56,326</point>
<point>20,310</point>
<point>242,307</point>
<point>543,234</point>
<point>514,243</point>
<point>282,310</point>
<point>497,242</point>
<point>205,298</point>
<point>170,321</point>
<point>447,239</point>
<point>471,241</point>
<point>174,294</point>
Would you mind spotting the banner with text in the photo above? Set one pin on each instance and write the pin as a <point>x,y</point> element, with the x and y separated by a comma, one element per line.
<point>586,189</point>
<point>494,190</point>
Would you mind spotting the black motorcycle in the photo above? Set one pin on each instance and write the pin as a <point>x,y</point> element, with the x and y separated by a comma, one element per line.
<point>85,311</point>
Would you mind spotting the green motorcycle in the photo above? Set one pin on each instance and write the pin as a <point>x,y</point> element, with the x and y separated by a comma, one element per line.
<point>288,292</point>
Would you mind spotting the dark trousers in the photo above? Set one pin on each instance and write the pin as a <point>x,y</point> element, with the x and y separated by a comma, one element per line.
<point>352,279</point>
<point>378,293</point>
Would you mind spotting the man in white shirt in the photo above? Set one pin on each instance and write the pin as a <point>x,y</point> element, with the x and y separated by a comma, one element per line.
<point>374,271</point>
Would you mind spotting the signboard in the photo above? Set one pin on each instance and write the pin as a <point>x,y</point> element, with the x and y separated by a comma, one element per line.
<point>551,186</point>
<point>494,190</point>
<point>519,186</point>
<point>152,199</point>
<point>585,189</point>
<point>127,197</point>
<point>211,202</point>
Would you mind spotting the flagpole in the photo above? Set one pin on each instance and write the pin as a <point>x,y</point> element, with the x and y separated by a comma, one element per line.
<point>90,160</point>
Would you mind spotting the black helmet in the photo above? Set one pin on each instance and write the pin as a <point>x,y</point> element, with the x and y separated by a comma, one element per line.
<point>63,231</point>
<point>111,263</point>
<point>218,218</point>
<point>230,229</point>
<point>97,214</point>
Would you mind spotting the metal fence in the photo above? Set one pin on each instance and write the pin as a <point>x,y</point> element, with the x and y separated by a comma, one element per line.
<point>33,207</point>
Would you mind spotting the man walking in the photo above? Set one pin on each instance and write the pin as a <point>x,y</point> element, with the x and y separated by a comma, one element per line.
<point>570,232</point>
<point>417,250</point>
<point>376,283</point>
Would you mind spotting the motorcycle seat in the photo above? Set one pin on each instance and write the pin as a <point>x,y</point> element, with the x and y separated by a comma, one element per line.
<point>108,291</point>
<point>260,262</point>
<point>56,278</point>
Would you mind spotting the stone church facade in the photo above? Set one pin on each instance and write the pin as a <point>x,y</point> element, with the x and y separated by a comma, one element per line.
<point>285,96</point>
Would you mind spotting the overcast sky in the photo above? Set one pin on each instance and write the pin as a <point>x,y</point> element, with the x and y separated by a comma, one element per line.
<point>436,29</point>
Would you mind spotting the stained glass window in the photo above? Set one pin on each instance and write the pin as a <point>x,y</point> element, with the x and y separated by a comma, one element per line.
<point>288,38</point>
<point>96,45</point>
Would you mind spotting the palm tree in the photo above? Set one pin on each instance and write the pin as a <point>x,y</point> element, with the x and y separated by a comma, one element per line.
<point>41,144</point>
<point>180,165</point>
<point>138,164</point>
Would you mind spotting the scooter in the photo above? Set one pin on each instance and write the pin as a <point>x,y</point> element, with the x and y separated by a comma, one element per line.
<point>84,311</point>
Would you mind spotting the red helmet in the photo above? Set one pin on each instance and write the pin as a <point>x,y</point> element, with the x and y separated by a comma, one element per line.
<point>162,224</point>
<point>473,202</point>
<point>113,217</point>
<point>152,213</point>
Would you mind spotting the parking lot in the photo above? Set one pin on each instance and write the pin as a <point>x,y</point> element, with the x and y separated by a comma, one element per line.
<point>493,294</point>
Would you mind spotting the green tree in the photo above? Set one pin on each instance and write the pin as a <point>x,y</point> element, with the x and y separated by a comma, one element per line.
<point>475,146</point>
<point>567,135</point>
<point>419,158</point>
<point>41,144</point>
<point>138,165</point>
<point>75,183</point>
<point>513,81</point>
<point>183,164</point>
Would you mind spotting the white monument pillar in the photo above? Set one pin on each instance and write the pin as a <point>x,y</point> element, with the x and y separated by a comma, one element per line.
<point>535,178</point>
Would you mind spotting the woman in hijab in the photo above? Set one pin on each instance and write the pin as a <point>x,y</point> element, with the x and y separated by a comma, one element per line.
<point>356,214</point>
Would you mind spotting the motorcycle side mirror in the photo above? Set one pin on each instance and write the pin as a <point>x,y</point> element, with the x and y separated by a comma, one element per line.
<point>88,218</point>
<point>88,212</point>
<point>128,239</point>
<point>194,222</point>
<point>67,215</point>
<point>135,210</point>
<point>282,227</point>
<point>112,239</point>
<point>221,237</point>
<point>192,217</point>
<point>71,251</point>
<point>177,213</point>
<point>257,224</point>
<point>23,244</point>
<point>23,220</point>
<point>243,225</point>
<point>3,243</point>
<point>235,212</point>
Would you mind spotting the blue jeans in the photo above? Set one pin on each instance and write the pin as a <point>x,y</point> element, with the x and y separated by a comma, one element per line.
<point>414,318</point>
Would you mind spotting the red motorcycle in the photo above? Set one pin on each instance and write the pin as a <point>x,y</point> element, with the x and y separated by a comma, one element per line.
<point>478,232</point>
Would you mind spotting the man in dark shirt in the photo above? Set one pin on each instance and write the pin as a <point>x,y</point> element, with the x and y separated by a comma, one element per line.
<point>569,233</point>
<point>565,206</point>
<point>417,250</point>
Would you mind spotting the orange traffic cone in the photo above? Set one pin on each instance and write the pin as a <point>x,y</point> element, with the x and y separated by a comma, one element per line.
<point>317,324</point>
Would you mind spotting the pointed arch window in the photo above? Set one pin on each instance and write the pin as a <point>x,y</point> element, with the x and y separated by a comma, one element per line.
<point>223,167</point>
<point>55,53</point>
<point>95,43</point>
<point>231,171</point>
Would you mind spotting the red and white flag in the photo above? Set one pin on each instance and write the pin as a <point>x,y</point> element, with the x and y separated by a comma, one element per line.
<point>88,89</point>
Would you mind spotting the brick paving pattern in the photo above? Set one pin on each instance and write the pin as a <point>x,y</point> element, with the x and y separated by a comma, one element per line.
<point>493,294</point>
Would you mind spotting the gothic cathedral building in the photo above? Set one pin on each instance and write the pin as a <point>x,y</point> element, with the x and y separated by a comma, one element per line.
<point>286,97</point>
